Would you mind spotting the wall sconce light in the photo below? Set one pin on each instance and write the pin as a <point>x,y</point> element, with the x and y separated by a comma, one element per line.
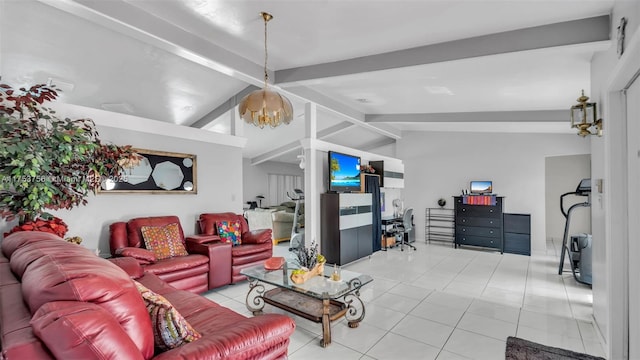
<point>583,117</point>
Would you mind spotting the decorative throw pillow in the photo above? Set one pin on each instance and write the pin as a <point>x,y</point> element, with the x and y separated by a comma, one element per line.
<point>229,232</point>
<point>164,241</point>
<point>170,329</point>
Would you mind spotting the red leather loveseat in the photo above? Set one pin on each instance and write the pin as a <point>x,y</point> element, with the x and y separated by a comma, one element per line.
<point>206,267</point>
<point>255,248</point>
<point>59,300</point>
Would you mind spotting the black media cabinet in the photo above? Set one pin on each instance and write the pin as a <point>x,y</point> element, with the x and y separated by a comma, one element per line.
<point>346,227</point>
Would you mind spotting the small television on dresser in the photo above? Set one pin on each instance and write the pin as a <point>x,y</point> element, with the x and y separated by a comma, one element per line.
<point>481,187</point>
<point>344,172</point>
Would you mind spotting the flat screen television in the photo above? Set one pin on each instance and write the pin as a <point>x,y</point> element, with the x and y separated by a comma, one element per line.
<point>344,172</point>
<point>481,187</point>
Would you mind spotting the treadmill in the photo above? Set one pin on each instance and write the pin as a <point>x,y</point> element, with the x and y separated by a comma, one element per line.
<point>297,232</point>
<point>578,242</point>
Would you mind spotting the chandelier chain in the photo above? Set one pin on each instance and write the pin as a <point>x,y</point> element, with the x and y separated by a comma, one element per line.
<point>266,56</point>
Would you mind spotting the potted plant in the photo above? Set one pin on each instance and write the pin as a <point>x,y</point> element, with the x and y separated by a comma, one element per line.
<point>49,163</point>
<point>311,264</point>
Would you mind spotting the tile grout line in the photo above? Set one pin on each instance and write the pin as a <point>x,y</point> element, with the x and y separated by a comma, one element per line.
<point>526,282</point>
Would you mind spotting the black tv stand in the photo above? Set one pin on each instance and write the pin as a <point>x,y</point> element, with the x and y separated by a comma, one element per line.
<point>346,227</point>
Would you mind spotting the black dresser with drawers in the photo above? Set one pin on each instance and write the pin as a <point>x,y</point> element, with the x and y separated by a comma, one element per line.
<point>479,225</point>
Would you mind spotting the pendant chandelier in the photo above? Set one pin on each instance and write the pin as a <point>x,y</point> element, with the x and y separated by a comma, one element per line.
<point>265,107</point>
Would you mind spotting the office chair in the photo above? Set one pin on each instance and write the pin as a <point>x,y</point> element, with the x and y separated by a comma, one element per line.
<point>403,230</point>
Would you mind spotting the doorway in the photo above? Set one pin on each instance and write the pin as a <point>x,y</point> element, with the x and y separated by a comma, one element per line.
<point>633,158</point>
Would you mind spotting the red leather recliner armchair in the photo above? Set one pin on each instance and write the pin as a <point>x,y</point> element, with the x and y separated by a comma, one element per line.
<point>197,272</point>
<point>256,245</point>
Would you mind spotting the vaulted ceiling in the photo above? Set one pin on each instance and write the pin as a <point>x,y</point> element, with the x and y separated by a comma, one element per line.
<point>375,68</point>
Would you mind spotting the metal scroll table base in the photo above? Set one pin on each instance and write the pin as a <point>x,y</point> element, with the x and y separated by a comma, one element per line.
<point>322,311</point>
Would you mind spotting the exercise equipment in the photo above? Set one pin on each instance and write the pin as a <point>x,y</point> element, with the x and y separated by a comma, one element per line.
<point>580,251</point>
<point>297,233</point>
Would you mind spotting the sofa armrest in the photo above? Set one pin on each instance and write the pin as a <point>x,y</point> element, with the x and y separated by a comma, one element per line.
<point>251,338</point>
<point>82,330</point>
<point>118,236</point>
<point>256,236</point>
<point>202,239</point>
<point>219,255</point>
<point>130,265</point>
<point>143,256</point>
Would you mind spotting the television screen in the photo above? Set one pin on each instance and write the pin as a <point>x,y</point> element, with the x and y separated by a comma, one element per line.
<point>344,172</point>
<point>481,187</point>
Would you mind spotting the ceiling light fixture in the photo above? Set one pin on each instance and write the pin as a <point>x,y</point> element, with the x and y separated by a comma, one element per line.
<point>265,107</point>
<point>583,117</point>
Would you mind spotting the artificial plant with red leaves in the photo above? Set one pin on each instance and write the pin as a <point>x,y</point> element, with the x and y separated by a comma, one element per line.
<point>49,163</point>
<point>54,225</point>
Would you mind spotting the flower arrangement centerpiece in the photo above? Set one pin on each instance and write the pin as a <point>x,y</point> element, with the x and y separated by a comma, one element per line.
<point>311,263</point>
<point>49,163</point>
<point>367,169</point>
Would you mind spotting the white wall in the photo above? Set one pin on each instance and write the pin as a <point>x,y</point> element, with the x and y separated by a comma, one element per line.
<point>219,185</point>
<point>440,164</point>
<point>387,150</point>
<point>609,74</point>
<point>562,175</point>
<point>255,178</point>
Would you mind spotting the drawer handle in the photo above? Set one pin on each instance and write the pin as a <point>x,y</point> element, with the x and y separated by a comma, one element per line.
<point>463,230</point>
<point>463,210</point>
<point>490,210</point>
<point>464,220</point>
<point>491,232</point>
<point>491,222</point>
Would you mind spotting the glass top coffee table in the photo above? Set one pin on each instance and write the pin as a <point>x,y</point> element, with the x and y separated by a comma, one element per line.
<point>318,299</point>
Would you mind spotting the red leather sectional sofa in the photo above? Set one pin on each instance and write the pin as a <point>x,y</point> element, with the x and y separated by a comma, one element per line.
<point>59,300</point>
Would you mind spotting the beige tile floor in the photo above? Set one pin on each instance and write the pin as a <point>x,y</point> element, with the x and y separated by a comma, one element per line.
<point>444,303</point>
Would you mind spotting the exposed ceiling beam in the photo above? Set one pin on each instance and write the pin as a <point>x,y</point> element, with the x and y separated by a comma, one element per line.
<point>332,130</point>
<point>295,145</point>
<point>130,20</point>
<point>223,108</point>
<point>595,29</point>
<point>377,144</point>
<point>345,111</point>
<point>486,116</point>
<point>127,19</point>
